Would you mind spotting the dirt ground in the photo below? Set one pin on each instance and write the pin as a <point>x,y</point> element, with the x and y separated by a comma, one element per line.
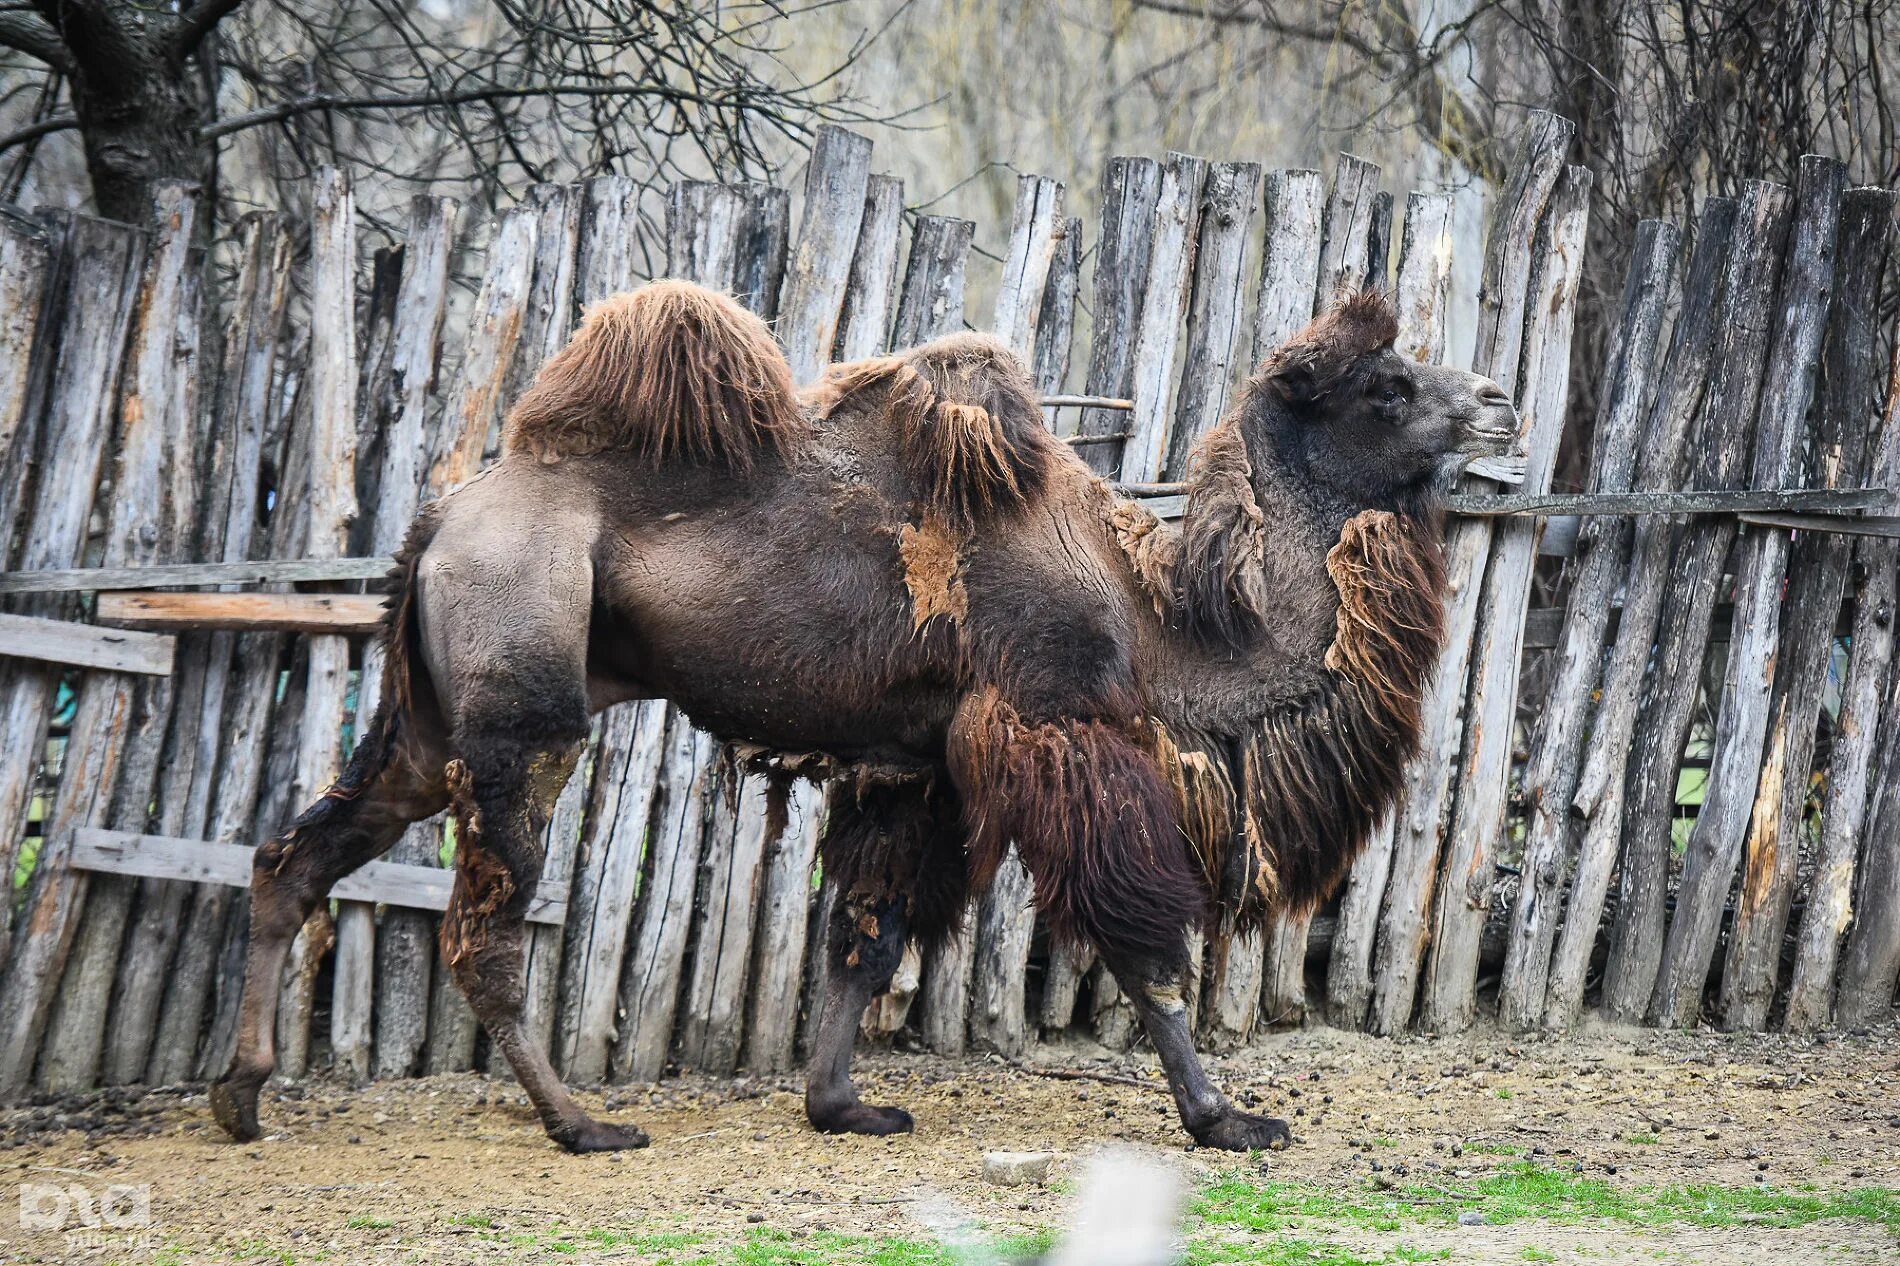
<point>456,1168</point>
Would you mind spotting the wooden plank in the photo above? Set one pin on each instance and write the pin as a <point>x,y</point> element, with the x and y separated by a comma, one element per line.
<point>186,575</point>
<point>206,862</point>
<point>778,967</point>
<point>1035,232</point>
<point>1550,780</point>
<point>732,873</point>
<point>1164,307</point>
<point>237,695</point>
<point>1055,328</point>
<point>548,315</point>
<point>475,401</point>
<point>1379,242</point>
<point>330,506</point>
<point>931,303</point>
<point>1423,811</point>
<point>1130,193</point>
<point>836,180</point>
<point>1422,300</point>
<point>27,259</point>
<point>649,990</point>
<point>1760,568</point>
<point>609,229</point>
<point>1598,797</point>
<point>1871,960</point>
<point>1289,263</point>
<point>75,377</point>
<point>60,980</point>
<point>1214,311</point>
<point>1482,788</point>
<point>335,614</point>
<point>382,974</point>
<point>1351,210</point>
<point>86,645</point>
<point>1688,501</point>
<point>1886,525</point>
<point>870,293</point>
<point>1851,389</point>
<point>1695,579</point>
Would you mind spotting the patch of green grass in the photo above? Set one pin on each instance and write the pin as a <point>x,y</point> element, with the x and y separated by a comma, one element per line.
<point>1493,1149</point>
<point>1383,1141</point>
<point>1641,1138</point>
<point>480,1221</point>
<point>1531,1254</point>
<point>1504,1092</point>
<point>364,1222</point>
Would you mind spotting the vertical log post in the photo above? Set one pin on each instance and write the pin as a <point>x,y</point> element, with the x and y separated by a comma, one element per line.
<point>1662,726</point>
<point>1164,307</point>
<point>1131,190</point>
<point>1848,455</point>
<point>1598,567</point>
<point>60,982</point>
<point>1423,812</point>
<point>1761,565</point>
<point>1214,309</point>
<point>1422,296</point>
<point>1598,797</point>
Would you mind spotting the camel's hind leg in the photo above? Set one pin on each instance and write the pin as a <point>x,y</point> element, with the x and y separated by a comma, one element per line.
<point>895,857</point>
<point>394,778</point>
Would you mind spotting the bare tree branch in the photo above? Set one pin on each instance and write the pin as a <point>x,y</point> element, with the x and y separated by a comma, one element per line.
<point>33,131</point>
<point>31,34</point>
<point>198,23</point>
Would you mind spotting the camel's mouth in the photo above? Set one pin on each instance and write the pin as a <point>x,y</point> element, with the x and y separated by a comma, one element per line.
<point>1493,452</point>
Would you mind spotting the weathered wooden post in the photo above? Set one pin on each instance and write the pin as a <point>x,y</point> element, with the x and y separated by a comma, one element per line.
<point>1715,845</point>
<point>1131,190</point>
<point>1749,282</point>
<point>1602,559</point>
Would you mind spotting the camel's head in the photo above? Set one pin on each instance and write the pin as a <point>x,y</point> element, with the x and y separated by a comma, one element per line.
<point>1371,423</point>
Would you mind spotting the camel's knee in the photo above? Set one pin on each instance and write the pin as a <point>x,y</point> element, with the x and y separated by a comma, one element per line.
<point>1093,820</point>
<point>482,930</point>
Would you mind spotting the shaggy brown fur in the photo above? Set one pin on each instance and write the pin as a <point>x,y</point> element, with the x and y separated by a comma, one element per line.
<point>973,442</point>
<point>912,588</point>
<point>672,372</point>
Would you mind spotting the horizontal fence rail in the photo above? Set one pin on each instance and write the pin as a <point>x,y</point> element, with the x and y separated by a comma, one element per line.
<point>202,470</point>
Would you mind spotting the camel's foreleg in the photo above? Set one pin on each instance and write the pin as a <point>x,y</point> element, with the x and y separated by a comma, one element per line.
<point>393,779</point>
<point>894,854</point>
<point>503,787</point>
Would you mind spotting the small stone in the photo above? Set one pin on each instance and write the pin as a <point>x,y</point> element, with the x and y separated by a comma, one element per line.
<point>1471,1217</point>
<point>1013,1169</point>
<point>755,1217</point>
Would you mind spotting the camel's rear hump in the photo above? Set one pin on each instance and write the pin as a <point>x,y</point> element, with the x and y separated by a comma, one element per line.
<point>673,372</point>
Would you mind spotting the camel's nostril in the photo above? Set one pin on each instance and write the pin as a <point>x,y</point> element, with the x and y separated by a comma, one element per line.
<point>1493,395</point>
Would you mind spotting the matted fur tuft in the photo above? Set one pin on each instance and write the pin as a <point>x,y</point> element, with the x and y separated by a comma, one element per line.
<point>1313,781</point>
<point>1094,822</point>
<point>971,438</point>
<point>1223,539</point>
<point>1315,360</point>
<point>671,371</point>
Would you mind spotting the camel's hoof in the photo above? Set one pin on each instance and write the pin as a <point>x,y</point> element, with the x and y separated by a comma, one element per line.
<point>862,1118</point>
<point>603,1136</point>
<point>234,1104</point>
<point>1238,1131</point>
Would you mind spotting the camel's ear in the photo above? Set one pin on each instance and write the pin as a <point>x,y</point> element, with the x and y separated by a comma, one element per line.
<point>1296,379</point>
<point>1314,361</point>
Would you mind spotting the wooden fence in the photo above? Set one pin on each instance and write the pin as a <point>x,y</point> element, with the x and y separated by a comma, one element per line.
<point>196,476</point>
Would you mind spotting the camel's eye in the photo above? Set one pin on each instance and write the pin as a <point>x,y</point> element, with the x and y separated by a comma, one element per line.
<point>1389,398</point>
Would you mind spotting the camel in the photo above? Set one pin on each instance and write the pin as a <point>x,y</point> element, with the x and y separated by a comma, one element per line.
<point>901,583</point>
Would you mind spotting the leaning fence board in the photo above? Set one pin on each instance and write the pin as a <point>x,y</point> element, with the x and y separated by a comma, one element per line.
<point>27,252</point>
<point>1422,812</point>
<point>1163,308</point>
<point>1214,310</point>
<point>1055,328</point>
<point>778,968</point>
<point>1846,391</point>
<point>1422,299</point>
<point>1852,389</point>
<point>338,614</point>
<point>60,979</point>
<point>870,296</point>
<point>1551,778</point>
<point>836,180</point>
<point>1479,802</point>
<point>86,645</point>
<point>931,302</point>
<point>1130,193</point>
<point>206,862</point>
<point>91,305</point>
<point>1760,568</point>
<point>1728,412</point>
<point>732,870</point>
<point>330,504</point>
<point>239,686</point>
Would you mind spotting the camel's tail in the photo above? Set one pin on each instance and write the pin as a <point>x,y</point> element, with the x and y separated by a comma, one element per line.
<point>966,419</point>
<point>671,371</point>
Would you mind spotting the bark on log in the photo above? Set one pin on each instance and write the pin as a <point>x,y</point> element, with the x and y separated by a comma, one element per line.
<point>1847,390</point>
<point>74,380</point>
<point>1351,210</point>
<point>1131,189</point>
<point>870,295</point>
<point>1164,306</point>
<point>1851,389</point>
<point>778,969</point>
<point>1695,574</point>
<point>1484,773</point>
<point>1214,309</point>
<point>731,873</point>
<point>1871,961</point>
<point>932,299</point>
<point>1422,810</point>
<point>836,179</point>
<point>59,982</point>
<point>1055,328</point>
<point>1550,781</point>
<point>28,255</point>
<point>1715,844</point>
